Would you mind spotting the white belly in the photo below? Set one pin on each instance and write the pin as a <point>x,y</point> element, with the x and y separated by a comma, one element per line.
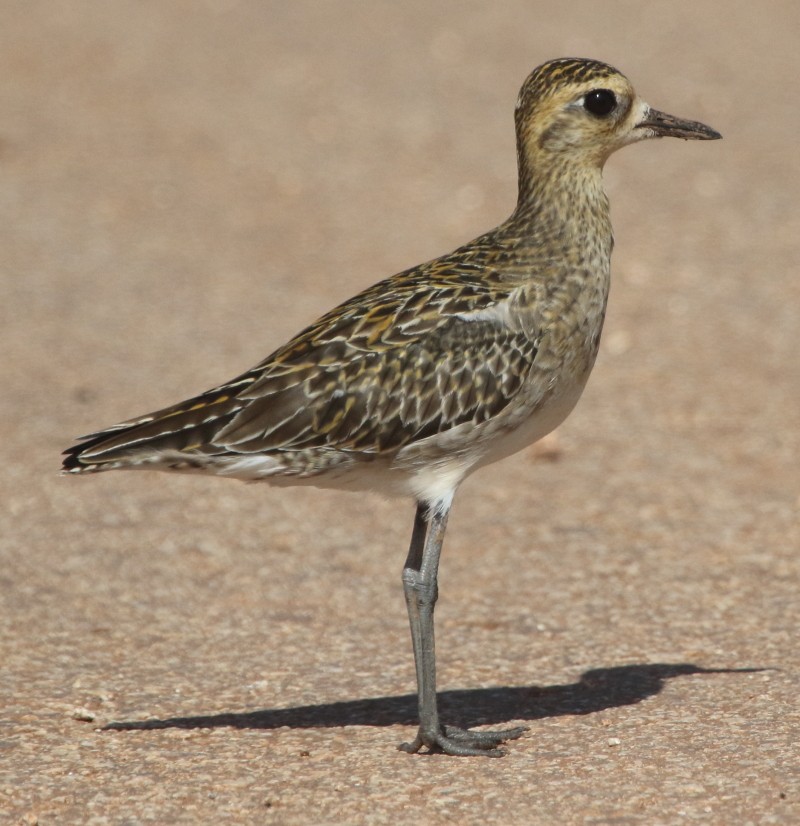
<point>436,466</point>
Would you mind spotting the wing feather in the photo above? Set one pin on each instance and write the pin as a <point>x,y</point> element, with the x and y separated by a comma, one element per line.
<point>465,371</point>
<point>415,355</point>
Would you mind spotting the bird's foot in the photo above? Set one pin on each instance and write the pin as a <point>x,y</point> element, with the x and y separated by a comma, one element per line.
<point>463,742</point>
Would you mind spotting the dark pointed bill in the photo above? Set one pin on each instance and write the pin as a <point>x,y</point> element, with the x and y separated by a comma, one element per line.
<point>661,125</point>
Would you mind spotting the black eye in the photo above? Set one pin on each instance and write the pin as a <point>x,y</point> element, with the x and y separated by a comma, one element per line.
<point>600,102</point>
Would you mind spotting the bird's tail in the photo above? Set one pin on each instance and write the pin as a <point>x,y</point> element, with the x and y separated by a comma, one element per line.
<point>178,431</point>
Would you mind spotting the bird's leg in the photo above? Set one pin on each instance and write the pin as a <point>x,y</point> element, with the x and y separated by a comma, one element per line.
<point>421,590</point>
<point>420,601</point>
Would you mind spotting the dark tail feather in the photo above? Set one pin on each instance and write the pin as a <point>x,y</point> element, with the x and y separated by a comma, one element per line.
<point>189,425</point>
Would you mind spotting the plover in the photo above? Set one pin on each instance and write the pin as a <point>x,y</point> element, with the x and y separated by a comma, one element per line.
<point>421,379</point>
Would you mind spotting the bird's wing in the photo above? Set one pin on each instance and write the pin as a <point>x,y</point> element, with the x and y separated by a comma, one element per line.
<point>412,356</point>
<point>373,396</point>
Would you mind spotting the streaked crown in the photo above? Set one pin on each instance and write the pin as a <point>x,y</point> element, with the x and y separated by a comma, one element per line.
<point>572,113</point>
<point>551,77</point>
<point>577,105</point>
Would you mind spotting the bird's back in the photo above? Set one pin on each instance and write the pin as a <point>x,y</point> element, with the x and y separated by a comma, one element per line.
<point>455,362</point>
<point>421,353</point>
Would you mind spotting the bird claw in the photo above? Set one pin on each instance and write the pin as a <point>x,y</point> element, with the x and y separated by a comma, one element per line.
<point>463,742</point>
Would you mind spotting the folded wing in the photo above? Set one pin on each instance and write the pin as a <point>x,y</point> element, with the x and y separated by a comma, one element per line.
<point>388,368</point>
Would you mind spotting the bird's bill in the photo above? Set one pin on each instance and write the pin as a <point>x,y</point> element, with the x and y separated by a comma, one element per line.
<point>661,125</point>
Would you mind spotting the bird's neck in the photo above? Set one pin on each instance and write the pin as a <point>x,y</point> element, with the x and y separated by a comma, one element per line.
<point>561,196</point>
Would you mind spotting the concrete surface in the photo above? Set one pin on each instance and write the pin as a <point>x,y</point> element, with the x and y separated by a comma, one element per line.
<point>185,184</point>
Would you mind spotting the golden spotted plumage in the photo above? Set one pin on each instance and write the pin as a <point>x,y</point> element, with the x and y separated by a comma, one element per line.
<point>417,381</point>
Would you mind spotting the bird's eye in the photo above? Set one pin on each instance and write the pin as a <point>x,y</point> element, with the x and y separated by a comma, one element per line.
<point>600,102</point>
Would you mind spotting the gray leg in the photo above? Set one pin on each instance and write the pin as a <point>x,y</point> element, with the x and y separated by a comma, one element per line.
<point>421,591</point>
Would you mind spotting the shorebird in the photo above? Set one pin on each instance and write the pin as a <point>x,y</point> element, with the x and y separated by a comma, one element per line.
<point>421,379</point>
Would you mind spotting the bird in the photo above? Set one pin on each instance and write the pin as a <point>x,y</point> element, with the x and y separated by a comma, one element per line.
<point>418,381</point>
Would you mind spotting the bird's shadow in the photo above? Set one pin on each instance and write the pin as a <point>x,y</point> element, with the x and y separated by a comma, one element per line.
<point>598,689</point>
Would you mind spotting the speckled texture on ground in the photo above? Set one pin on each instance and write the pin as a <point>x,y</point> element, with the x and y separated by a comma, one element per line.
<point>185,184</point>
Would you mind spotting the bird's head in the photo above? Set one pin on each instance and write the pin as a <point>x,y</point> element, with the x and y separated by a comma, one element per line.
<point>582,110</point>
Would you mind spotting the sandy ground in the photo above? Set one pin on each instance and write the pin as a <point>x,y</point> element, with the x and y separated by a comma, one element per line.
<point>185,184</point>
